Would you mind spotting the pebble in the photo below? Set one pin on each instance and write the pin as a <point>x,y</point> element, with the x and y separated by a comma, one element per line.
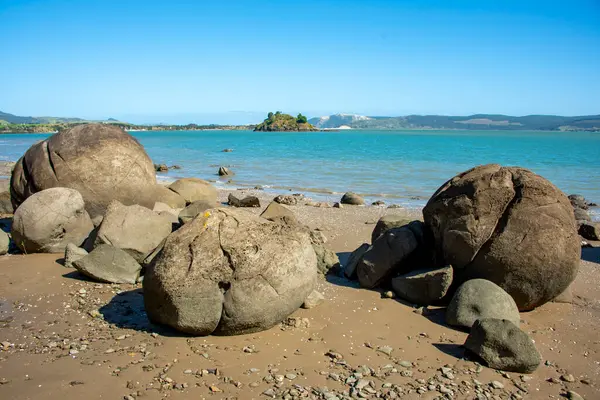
<point>567,378</point>
<point>270,393</point>
<point>387,350</point>
<point>291,377</point>
<point>388,294</point>
<point>497,385</point>
<point>405,364</point>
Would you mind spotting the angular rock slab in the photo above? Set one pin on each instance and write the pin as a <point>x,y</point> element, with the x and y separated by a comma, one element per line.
<point>73,253</point>
<point>386,223</point>
<point>276,212</point>
<point>502,345</point>
<point>193,210</point>
<point>100,161</point>
<point>109,264</point>
<point>194,189</point>
<point>507,225</point>
<point>353,260</point>
<point>49,220</point>
<point>423,287</point>
<point>481,299</point>
<point>134,229</point>
<point>229,272</point>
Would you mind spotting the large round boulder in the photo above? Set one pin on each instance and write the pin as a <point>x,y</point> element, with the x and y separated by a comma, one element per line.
<point>49,220</point>
<point>100,161</point>
<point>229,272</point>
<point>507,225</point>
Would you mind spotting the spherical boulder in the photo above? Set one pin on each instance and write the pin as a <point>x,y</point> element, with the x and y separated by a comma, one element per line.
<point>509,226</point>
<point>100,161</point>
<point>229,272</point>
<point>49,220</point>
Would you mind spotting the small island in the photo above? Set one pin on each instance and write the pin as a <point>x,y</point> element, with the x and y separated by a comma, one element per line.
<point>285,122</point>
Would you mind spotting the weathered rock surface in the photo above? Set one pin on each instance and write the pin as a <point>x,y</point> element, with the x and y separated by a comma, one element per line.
<point>193,210</point>
<point>288,200</point>
<point>581,215</point>
<point>423,287</point>
<point>109,264</point>
<point>248,201</point>
<point>391,253</point>
<point>502,345</point>
<point>326,258</point>
<point>509,226</point>
<point>386,223</point>
<point>481,299</point>
<point>73,253</point>
<point>224,171</point>
<point>135,229</point>
<point>590,230</point>
<point>353,259</point>
<point>165,195</point>
<point>6,206</point>
<point>578,201</point>
<point>102,162</point>
<point>49,220</point>
<point>314,299</point>
<point>194,189</point>
<point>277,213</point>
<point>229,272</point>
<point>352,199</point>
<point>4,243</point>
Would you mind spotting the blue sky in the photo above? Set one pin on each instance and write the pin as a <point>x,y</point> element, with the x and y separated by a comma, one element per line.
<point>232,61</point>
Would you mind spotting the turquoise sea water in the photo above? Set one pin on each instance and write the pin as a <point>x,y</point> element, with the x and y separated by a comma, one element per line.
<point>403,167</point>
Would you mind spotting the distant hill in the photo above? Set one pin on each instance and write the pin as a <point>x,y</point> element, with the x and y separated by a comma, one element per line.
<point>15,119</point>
<point>337,120</point>
<point>474,122</point>
<point>284,122</point>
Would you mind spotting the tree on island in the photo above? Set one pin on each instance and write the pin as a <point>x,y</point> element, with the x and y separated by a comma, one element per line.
<point>301,119</point>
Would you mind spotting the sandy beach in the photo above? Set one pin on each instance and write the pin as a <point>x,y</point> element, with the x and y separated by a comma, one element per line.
<point>63,336</point>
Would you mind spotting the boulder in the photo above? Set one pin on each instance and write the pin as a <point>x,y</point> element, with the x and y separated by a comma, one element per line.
<point>386,223</point>
<point>165,195</point>
<point>353,259</point>
<point>49,220</point>
<point>314,299</point>
<point>73,253</point>
<point>352,199</point>
<point>326,258</point>
<point>162,207</point>
<point>502,345</point>
<point>277,213</point>
<point>109,264</point>
<point>578,201</point>
<point>193,210</point>
<point>229,272</point>
<point>581,215</point>
<point>390,254</point>
<point>288,200</point>
<point>423,287</point>
<point>590,230</point>
<point>161,168</point>
<point>481,299</point>
<point>509,226</point>
<point>4,242</point>
<point>134,229</point>
<point>224,171</point>
<point>194,189</point>
<point>101,161</point>
<point>248,201</point>
<point>6,206</point>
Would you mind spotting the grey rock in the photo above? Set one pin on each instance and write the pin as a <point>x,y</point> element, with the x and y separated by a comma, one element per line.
<point>101,161</point>
<point>135,229</point>
<point>423,287</point>
<point>327,259</point>
<point>224,171</point>
<point>481,299</point>
<point>386,223</point>
<point>581,215</point>
<point>73,253</point>
<point>194,209</point>
<point>578,201</point>
<point>4,242</point>
<point>572,395</point>
<point>248,201</point>
<point>385,256</point>
<point>49,220</point>
<point>314,299</point>
<point>109,264</point>
<point>288,200</point>
<point>194,189</point>
<point>230,272</point>
<point>590,230</point>
<point>352,199</point>
<point>353,259</point>
<point>278,213</point>
<point>502,345</point>
<point>507,225</point>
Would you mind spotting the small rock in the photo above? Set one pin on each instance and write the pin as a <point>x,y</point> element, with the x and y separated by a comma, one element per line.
<point>387,350</point>
<point>497,385</point>
<point>314,299</point>
<point>567,378</point>
<point>388,294</point>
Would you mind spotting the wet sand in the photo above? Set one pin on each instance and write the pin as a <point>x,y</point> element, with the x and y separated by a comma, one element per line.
<point>54,344</point>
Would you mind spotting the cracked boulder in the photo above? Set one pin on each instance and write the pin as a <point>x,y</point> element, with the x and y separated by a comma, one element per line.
<point>49,220</point>
<point>100,161</point>
<point>229,272</point>
<point>509,226</point>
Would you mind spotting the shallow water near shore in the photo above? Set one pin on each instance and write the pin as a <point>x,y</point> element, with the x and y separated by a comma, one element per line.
<point>402,167</point>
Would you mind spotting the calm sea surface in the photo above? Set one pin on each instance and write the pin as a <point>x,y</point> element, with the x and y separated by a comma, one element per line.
<point>403,167</point>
